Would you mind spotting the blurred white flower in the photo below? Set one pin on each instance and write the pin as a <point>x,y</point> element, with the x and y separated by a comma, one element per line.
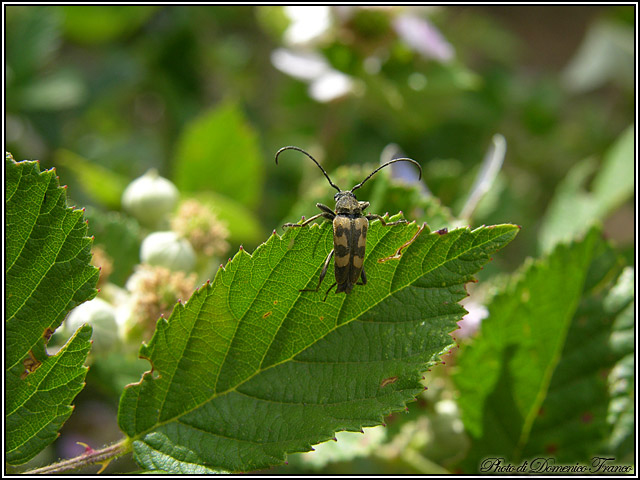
<point>331,85</point>
<point>326,83</point>
<point>307,23</point>
<point>301,64</point>
<point>421,36</point>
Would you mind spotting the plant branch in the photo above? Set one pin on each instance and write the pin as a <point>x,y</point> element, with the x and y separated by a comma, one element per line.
<point>90,457</point>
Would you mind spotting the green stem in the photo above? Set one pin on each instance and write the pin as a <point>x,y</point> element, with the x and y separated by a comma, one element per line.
<point>88,458</point>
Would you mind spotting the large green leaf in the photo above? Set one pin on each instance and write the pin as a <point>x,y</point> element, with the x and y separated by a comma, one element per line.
<point>250,369</point>
<point>218,151</point>
<point>48,272</point>
<point>531,383</point>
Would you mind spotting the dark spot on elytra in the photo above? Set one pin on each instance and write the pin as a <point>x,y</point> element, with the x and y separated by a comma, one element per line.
<point>341,251</point>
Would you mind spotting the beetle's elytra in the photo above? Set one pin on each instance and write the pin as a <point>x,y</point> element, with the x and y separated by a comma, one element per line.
<point>350,227</point>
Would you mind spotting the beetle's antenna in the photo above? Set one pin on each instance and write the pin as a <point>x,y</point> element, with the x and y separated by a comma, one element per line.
<point>389,163</point>
<point>314,160</point>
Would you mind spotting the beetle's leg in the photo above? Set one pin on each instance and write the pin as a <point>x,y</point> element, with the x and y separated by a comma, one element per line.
<point>330,213</point>
<point>363,277</point>
<point>308,221</point>
<point>373,216</point>
<point>327,294</point>
<point>326,213</point>
<point>322,274</point>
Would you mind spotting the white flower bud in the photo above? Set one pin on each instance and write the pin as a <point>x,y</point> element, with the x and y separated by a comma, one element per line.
<point>101,316</point>
<point>169,250</point>
<point>150,198</point>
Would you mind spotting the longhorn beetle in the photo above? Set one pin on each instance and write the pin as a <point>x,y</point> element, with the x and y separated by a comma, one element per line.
<point>350,226</point>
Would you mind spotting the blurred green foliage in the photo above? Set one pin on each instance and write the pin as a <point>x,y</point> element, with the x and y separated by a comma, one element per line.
<point>104,93</point>
<point>121,85</point>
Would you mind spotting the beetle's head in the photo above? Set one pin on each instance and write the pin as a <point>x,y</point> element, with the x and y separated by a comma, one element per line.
<point>346,202</point>
<point>346,199</point>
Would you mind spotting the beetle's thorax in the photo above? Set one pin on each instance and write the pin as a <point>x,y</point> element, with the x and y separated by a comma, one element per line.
<point>346,202</point>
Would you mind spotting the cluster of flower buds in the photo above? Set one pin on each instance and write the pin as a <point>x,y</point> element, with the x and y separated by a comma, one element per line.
<point>182,241</point>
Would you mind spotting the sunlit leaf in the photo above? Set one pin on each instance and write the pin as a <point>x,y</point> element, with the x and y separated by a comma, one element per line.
<point>250,368</point>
